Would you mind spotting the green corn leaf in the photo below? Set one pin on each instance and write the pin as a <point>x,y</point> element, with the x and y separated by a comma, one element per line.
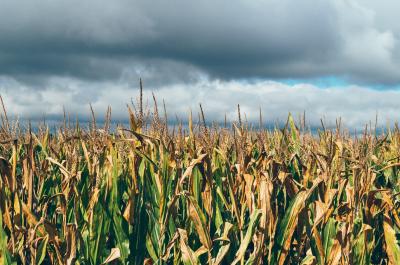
<point>392,244</point>
<point>251,229</point>
<point>5,256</point>
<point>41,250</point>
<point>363,245</point>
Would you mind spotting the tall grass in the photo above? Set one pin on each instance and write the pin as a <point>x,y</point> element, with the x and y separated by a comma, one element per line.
<point>197,195</point>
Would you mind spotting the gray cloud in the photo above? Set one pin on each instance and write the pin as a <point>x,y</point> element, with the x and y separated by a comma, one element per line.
<point>225,39</point>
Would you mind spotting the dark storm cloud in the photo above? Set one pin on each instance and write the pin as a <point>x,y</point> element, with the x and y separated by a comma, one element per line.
<point>242,39</point>
<point>225,39</point>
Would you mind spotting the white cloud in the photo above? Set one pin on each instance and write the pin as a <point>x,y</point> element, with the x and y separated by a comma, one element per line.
<point>368,50</point>
<point>356,105</point>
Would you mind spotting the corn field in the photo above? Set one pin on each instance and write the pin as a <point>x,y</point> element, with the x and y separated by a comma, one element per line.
<point>197,194</point>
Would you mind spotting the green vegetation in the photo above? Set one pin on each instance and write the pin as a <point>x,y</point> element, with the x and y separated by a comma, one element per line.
<point>198,195</point>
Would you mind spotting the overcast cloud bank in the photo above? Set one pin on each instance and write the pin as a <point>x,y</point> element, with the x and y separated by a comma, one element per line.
<point>70,53</point>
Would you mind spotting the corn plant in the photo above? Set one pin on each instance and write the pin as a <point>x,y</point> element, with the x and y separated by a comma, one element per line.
<point>197,194</point>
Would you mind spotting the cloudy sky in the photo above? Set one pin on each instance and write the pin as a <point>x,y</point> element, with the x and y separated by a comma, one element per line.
<point>329,58</point>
